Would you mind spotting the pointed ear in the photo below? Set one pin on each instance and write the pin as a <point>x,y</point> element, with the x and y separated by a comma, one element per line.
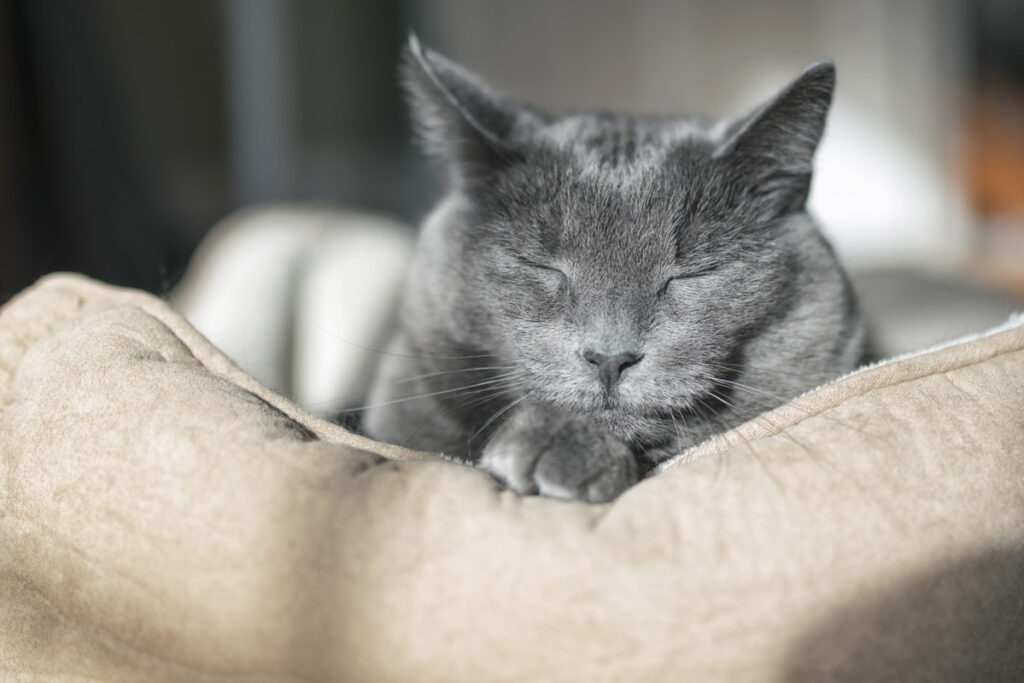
<point>459,119</point>
<point>774,145</point>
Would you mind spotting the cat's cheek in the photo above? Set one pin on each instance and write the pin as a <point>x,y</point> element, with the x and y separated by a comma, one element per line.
<point>536,305</point>
<point>542,341</point>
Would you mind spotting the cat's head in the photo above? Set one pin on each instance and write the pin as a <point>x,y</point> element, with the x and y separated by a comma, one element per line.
<point>621,263</point>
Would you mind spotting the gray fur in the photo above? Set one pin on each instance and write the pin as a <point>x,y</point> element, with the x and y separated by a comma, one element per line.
<point>681,241</point>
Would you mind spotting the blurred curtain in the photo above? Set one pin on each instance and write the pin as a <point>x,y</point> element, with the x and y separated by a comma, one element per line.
<point>127,129</point>
<point>82,176</point>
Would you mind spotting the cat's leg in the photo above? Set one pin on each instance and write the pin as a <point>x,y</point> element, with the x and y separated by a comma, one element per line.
<point>540,449</point>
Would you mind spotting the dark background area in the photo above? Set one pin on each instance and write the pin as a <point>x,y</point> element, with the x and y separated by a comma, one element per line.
<point>127,129</point>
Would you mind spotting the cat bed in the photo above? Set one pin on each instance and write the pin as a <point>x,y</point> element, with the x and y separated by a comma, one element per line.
<point>165,517</point>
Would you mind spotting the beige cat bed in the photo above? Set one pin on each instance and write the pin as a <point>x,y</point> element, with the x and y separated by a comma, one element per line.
<point>164,517</point>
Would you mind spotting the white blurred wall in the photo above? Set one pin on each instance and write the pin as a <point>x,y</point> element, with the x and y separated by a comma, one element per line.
<point>885,188</point>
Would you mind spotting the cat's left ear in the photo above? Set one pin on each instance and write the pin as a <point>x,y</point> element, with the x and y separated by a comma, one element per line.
<point>460,120</point>
<point>774,146</point>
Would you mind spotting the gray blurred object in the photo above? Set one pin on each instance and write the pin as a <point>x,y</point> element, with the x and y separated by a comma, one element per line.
<point>912,309</point>
<point>300,297</point>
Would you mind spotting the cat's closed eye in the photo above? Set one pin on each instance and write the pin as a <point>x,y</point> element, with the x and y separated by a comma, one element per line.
<point>684,277</point>
<point>549,273</point>
<point>552,281</point>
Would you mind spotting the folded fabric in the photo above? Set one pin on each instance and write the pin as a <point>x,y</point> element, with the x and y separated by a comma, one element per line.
<point>165,517</point>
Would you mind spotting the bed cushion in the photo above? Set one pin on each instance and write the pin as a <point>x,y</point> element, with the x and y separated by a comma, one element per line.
<point>165,517</point>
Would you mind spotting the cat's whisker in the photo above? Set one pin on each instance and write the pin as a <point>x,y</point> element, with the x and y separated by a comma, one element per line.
<point>753,451</point>
<point>322,404</point>
<point>474,399</point>
<point>724,401</point>
<point>427,394</point>
<point>746,387</point>
<point>382,352</point>
<point>823,462</point>
<point>680,433</point>
<point>781,400</point>
<point>442,373</point>
<point>511,374</point>
<point>797,380</point>
<point>784,378</point>
<point>494,417</point>
<point>777,430</point>
<point>681,414</point>
<point>722,432</point>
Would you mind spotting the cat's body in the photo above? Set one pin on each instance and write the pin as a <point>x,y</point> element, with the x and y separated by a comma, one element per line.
<point>599,292</point>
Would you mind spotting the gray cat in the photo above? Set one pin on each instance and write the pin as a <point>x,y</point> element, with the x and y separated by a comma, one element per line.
<point>598,292</point>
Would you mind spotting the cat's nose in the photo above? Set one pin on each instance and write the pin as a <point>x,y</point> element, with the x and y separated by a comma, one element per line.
<point>609,368</point>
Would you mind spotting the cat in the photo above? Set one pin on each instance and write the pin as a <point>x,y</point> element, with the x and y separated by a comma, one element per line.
<point>598,292</point>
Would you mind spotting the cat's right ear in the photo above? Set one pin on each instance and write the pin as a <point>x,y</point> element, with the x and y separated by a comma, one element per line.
<point>459,119</point>
<point>775,145</point>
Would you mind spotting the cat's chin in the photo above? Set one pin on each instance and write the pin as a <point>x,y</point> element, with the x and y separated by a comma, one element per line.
<point>632,428</point>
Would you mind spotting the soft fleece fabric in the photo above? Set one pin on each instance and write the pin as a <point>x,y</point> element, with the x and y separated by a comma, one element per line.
<point>163,517</point>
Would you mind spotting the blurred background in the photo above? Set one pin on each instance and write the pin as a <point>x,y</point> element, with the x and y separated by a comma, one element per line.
<point>128,129</point>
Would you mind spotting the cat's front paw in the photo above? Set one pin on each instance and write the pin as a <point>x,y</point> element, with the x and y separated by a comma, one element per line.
<point>568,457</point>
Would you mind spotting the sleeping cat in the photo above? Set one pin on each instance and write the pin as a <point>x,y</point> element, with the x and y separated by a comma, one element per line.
<point>598,292</point>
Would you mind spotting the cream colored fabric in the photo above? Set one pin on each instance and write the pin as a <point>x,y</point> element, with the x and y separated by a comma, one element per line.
<point>163,517</point>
